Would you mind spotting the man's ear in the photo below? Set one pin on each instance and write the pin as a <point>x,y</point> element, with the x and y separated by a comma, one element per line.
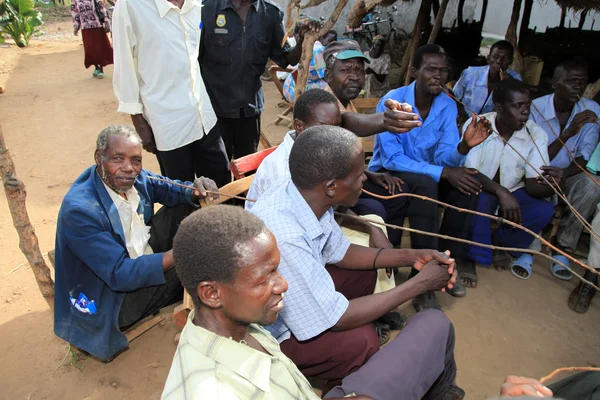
<point>328,76</point>
<point>330,187</point>
<point>97,157</point>
<point>553,84</point>
<point>298,126</point>
<point>497,107</point>
<point>209,294</point>
<point>413,72</point>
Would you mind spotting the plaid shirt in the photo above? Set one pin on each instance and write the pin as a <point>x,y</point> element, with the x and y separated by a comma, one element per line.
<point>306,244</point>
<point>209,366</point>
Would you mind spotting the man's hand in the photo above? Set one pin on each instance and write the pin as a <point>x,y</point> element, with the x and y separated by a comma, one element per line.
<point>579,120</point>
<point>144,129</point>
<point>509,206</point>
<point>386,181</point>
<point>436,276</point>
<point>554,175</point>
<point>106,28</point>
<point>424,256</point>
<point>309,25</point>
<point>399,117</point>
<point>477,131</point>
<point>203,184</point>
<point>464,179</point>
<point>515,386</point>
<point>168,261</point>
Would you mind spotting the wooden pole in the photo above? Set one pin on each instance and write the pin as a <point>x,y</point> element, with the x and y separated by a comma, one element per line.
<point>307,47</point>
<point>28,241</point>
<point>582,16</point>
<point>438,22</point>
<point>563,16</point>
<point>483,12</point>
<point>525,21</point>
<point>424,11</point>
<point>511,35</point>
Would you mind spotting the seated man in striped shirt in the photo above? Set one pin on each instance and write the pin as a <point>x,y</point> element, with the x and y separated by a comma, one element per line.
<point>225,354</point>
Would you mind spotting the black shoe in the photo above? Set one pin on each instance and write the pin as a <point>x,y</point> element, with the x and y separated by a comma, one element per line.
<point>458,289</point>
<point>425,301</point>
<point>454,393</point>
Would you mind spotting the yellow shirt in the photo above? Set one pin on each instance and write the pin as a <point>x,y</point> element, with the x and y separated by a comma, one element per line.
<point>209,366</point>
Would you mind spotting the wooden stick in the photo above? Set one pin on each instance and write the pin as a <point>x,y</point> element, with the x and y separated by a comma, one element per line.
<point>570,369</point>
<point>585,224</point>
<point>488,246</point>
<point>492,217</point>
<point>584,106</point>
<point>143,327</point>
<point>195,188</point>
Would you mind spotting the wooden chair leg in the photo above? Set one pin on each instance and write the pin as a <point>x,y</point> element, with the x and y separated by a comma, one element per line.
<point>141,328</point>
<point>264,141</point>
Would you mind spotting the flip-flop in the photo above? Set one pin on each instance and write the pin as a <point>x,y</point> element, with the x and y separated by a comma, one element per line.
<point>100,75</point>
<point>383,331</point>
<point>525,262</point>
<point>394,320</point>
<point>468,270</point>
<point>95,74</point>
<point>556,268</point>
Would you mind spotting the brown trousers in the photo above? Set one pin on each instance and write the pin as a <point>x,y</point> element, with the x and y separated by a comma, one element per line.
<point>334,355</point>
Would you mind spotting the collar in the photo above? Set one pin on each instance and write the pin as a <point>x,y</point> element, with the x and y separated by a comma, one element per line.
<point>437,106</point>
<point>521,134</point>
<point>549,112</point>
<point>132,195</point>
<point>482,76</point>
<point>225,4</point>
<point>164,6</point>
<point>109,205</point>
<point>289,139</point>
<point>231,354</point>
<point>306,217</point>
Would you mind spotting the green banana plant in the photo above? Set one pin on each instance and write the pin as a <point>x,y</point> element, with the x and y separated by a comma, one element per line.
<point>19,20</point>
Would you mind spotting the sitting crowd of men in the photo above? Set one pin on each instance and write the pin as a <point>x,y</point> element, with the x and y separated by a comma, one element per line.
<point>117,261</point>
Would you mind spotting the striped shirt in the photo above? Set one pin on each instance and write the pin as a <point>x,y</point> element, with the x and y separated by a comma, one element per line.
<point>210,366</point>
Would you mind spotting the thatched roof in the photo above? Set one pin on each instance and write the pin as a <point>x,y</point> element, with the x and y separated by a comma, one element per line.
<point>580,5</point>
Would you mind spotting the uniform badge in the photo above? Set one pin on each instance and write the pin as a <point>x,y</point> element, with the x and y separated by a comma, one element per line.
<point>221,21</point>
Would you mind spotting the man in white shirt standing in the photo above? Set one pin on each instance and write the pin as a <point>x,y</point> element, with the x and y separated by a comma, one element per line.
<point>509,183</point>
<point>157,80</point>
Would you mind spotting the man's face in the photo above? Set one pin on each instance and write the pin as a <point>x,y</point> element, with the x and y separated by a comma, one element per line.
<point>515,112</point>
<point>432,75</point>
<point>328,38</point>
<point>348,189</point>
<point>570,84</point>
<point>346,78</point>
<point>256,295</point>
<point>120,164</point>
<point>322,114</point>
<point>500,59</point>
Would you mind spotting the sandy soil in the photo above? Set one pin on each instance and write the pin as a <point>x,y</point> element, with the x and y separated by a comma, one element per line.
<point>51,113</point>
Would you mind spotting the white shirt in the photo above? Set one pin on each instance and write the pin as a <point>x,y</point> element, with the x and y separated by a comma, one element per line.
<point>493,154</point>
<point>156,69</point>
<point>137,233</point>
<point>275,167</point>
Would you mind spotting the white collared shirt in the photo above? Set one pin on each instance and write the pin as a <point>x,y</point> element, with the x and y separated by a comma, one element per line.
<point>274,168</point>
<point>137,233</point>
<point>156,69</point>
<point>493,154</point>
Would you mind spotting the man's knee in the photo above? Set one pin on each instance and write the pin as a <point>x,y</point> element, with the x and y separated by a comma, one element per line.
<point>546,210</point>
<point>436,323</point>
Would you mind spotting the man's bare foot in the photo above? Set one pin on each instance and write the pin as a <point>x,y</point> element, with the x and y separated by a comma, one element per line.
<point>468,274</point>
<point>501,260</point>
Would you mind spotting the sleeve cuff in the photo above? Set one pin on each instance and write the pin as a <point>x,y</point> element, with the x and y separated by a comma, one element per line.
<point>130,108</point>
<point>435,171</point>
<point>188,197</point>
<point>456,158</point>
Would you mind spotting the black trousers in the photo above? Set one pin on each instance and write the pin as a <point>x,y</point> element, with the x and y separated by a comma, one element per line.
<point>204,157</point>
<point>240,135</point>
<point>424,215</point>
<point>141,303</point>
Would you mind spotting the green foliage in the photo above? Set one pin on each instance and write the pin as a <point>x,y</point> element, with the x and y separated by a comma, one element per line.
<point>19,20</point>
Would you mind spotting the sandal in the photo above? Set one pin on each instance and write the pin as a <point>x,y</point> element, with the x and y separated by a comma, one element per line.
<point>383,331</point>
<point>95,74</point>
<point>525,263</point>
<point>581,297</point>
<point>100,75</point>
<point>501,260</point>
<point>558,270</point>
<point>394,320</point>
<point>468,274</point>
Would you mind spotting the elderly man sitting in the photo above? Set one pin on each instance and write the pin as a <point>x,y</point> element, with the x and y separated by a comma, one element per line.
<point>109,271</point>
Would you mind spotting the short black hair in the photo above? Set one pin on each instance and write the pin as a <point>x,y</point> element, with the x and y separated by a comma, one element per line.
<point>206,246</point>
<point>420,53</point>
<point>507,86</point>
<point>569,65</point>
<point>331,32</point>
<point>503,45</point>
<point>304,106</point>
<point>320,154</point>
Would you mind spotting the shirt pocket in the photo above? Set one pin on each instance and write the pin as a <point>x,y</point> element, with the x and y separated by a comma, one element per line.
<point>219,50</point>
<point>260,51</point>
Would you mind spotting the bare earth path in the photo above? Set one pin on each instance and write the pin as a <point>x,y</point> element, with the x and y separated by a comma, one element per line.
<point>51,114</point>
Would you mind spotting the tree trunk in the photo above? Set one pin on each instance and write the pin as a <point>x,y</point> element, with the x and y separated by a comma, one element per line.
<point>424,11</point>
<point>435,7</point>
<point>511,35</point>
<point>437,25</point>
<point>288,15</point>
<point>461,5</point>
<point>28,242</point>
<point>483,12</point>
<point>307,47</point>
<point>525,22</point>
<point>563,16</point>
<point>582,19</point>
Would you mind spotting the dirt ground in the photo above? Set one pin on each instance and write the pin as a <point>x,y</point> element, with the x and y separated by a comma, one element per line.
<point>51,113</point>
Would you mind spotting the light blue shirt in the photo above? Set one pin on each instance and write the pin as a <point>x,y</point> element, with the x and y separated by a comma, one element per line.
<point>582,144</point>
<point>423,150</point>
<point>311,304</point>
<point>472,89</point>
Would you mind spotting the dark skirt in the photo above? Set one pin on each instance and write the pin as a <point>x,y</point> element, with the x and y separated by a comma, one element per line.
<point>98,50</point>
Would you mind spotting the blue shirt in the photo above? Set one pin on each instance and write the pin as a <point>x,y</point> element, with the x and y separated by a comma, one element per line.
<point>311,304</point>
<point>582,144</point>
<point>423,150</point>
<point>472,89</point>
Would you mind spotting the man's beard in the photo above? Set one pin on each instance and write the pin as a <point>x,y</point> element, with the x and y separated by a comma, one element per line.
<point>104,177</point>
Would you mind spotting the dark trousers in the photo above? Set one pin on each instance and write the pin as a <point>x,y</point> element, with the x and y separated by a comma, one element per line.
<point>240,135</point>
<point>424,215</point>
<point>141,303</point>
<point>334,355</point>
<point>417,364</point>
<point>536,214</point>
<point>204,157</point>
